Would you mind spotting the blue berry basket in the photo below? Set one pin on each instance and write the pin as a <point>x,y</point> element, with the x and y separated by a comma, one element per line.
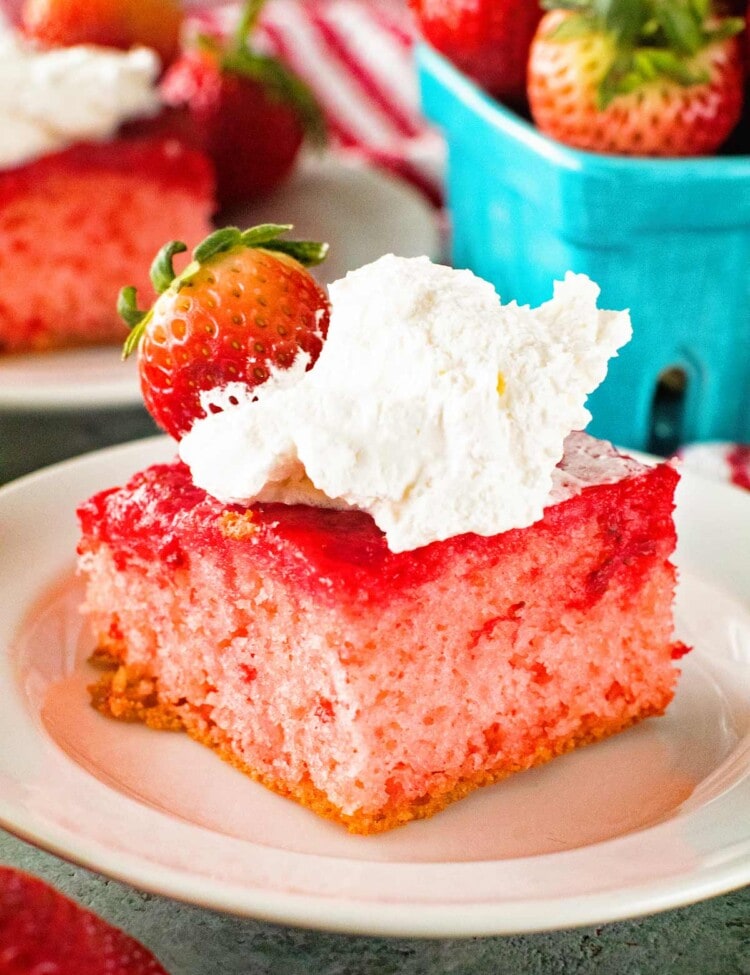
<point>669,239</point>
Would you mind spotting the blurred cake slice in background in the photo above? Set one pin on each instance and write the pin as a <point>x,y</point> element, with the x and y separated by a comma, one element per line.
<point>89,188</point>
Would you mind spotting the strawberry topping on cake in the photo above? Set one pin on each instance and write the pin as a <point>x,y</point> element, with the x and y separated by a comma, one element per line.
<point>329,553</point>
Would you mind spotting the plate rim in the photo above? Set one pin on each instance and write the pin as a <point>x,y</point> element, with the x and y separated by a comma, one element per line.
<point>323,912</point>
<point>382,919</point>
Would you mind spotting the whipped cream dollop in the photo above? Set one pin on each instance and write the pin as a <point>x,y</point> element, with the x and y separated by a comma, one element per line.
<point>432,406</point>
<point>50,99</point>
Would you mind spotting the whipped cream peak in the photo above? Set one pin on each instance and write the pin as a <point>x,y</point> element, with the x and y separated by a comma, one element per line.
<point>50,99</point>
<point>432,405</point>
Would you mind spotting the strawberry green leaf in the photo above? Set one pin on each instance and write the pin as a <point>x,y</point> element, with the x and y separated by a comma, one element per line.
<point>162,271</point>
<point>307,252</point>
<point>669,65</point>
<point>620,78</point>
<point>265,235</point>
<point>701,9</point>
<point>216,243</point>
<point>268,236</point>
<point>653,39</point>
<point>681,27</point>
<point>573,28</point>
<point>623,19</point>
<point>644,67</point>
<point>134,318</point>
<point>727,27</point>
<point>264,232</point>
<point>127,307</point>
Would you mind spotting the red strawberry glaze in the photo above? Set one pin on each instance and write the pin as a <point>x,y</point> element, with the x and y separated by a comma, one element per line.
<point>164,159</point>
<point>332,554</point>
<point>679,650</point>
<point>739,464</point>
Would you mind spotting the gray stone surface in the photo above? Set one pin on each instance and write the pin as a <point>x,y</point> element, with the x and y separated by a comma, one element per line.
<point>29,440</point>
<point>710,938</point>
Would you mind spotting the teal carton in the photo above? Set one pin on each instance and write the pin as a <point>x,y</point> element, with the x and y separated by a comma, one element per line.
<point>669,239</point>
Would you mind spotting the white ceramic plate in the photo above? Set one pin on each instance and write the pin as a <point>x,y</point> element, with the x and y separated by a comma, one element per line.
<point>652,819</point>
<point>361,212</point>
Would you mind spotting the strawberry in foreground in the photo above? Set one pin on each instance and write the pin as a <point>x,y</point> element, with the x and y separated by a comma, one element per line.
<point>247,111</point>
<point>637,77</point>
<point>109,23</point>
<point>244,305</point>
<point>488,39</point>
<point>41,931</point>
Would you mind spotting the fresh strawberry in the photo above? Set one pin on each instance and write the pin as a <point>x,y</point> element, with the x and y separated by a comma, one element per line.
<point>42,931</point>
<point>488,39</point>
<point>249,113</point>
<point>637,77</point>
<point>244,305</point>
<point>110,23</point>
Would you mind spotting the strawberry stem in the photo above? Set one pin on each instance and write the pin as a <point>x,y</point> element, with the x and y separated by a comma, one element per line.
<point>246,24</point>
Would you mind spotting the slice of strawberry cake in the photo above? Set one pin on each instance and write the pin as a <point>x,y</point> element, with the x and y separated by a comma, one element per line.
<point>83,203</point>
<point>377,687</point>
<point>384,575</point>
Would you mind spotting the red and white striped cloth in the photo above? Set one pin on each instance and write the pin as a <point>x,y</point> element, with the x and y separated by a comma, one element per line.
<point>357,58</point>
<point>356,55</point>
